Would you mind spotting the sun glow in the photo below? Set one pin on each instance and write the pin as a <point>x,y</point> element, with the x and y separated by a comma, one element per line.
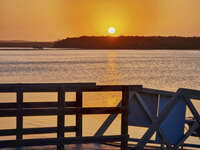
<point>111,30</point>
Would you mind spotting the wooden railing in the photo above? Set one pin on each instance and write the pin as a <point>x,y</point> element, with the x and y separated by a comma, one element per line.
<point>60,109</point>
<point>184,95</point>
<point>152,109</point>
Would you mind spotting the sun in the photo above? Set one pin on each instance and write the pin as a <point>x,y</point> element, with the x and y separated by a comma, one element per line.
<point>111,30</point>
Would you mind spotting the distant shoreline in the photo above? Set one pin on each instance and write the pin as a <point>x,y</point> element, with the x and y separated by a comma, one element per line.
<point>25,44</point>
<point>130,42</point>
<point>32,49</point>
<point>76,49</point>
<point>109,43</point>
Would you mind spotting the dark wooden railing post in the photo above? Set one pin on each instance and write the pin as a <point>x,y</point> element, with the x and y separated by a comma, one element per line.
<point>124,118</point>
<point>19,135</point>
<point>61,119</point>
<point>79,103</point>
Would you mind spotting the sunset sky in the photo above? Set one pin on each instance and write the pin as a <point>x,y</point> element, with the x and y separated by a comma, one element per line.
<point>48,20</point>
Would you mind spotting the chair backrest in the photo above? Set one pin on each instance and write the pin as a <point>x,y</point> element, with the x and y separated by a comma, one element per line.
<point>139,106</point>
<point>144,107</point>
<point>173,125</point>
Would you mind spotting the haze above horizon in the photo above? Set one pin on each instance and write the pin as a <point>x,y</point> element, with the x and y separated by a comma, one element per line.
<point>49,20</point>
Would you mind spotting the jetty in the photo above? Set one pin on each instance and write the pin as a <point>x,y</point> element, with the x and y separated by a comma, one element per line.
<point>162,112</point>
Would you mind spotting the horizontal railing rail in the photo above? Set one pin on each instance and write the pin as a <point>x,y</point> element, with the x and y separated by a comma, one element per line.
<point>69,140</point>
<point>35,105</point>
<point>84,87</point>
<point>55,111</point>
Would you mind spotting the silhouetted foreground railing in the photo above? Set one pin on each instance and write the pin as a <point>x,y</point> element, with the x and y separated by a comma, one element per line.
<point>162,112</point>
<point>60,109</point>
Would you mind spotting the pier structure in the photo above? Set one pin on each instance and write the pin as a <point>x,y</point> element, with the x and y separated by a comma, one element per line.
<point>162,112</point>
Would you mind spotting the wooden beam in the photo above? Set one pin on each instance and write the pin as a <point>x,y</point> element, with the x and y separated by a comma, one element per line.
<point>36,105</point>
<point>61,119</point>
<point>85,87</point>
<point>28,142</point>
<point>124,118</point>
<point>41,87</point>
<point>79,118</point>
<point>26,131</point>
<point>19,126</point>
<point>53,141</point>
<point>192,94</point>
<point>103,88</point>
<point>94,139</point>
<point>67,111</point>
<point>94,110</point>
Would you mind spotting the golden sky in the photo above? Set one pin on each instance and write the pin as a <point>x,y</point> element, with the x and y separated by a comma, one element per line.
<point>48,20</point>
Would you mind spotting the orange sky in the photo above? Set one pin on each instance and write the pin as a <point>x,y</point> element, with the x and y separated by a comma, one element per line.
<point>56,19</point>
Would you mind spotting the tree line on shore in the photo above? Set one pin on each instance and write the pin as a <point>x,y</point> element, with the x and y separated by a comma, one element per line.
<point>129,42</point>
<point>111,42</point>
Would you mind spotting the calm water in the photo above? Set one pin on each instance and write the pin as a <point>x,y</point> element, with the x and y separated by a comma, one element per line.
<point>159,69</point>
